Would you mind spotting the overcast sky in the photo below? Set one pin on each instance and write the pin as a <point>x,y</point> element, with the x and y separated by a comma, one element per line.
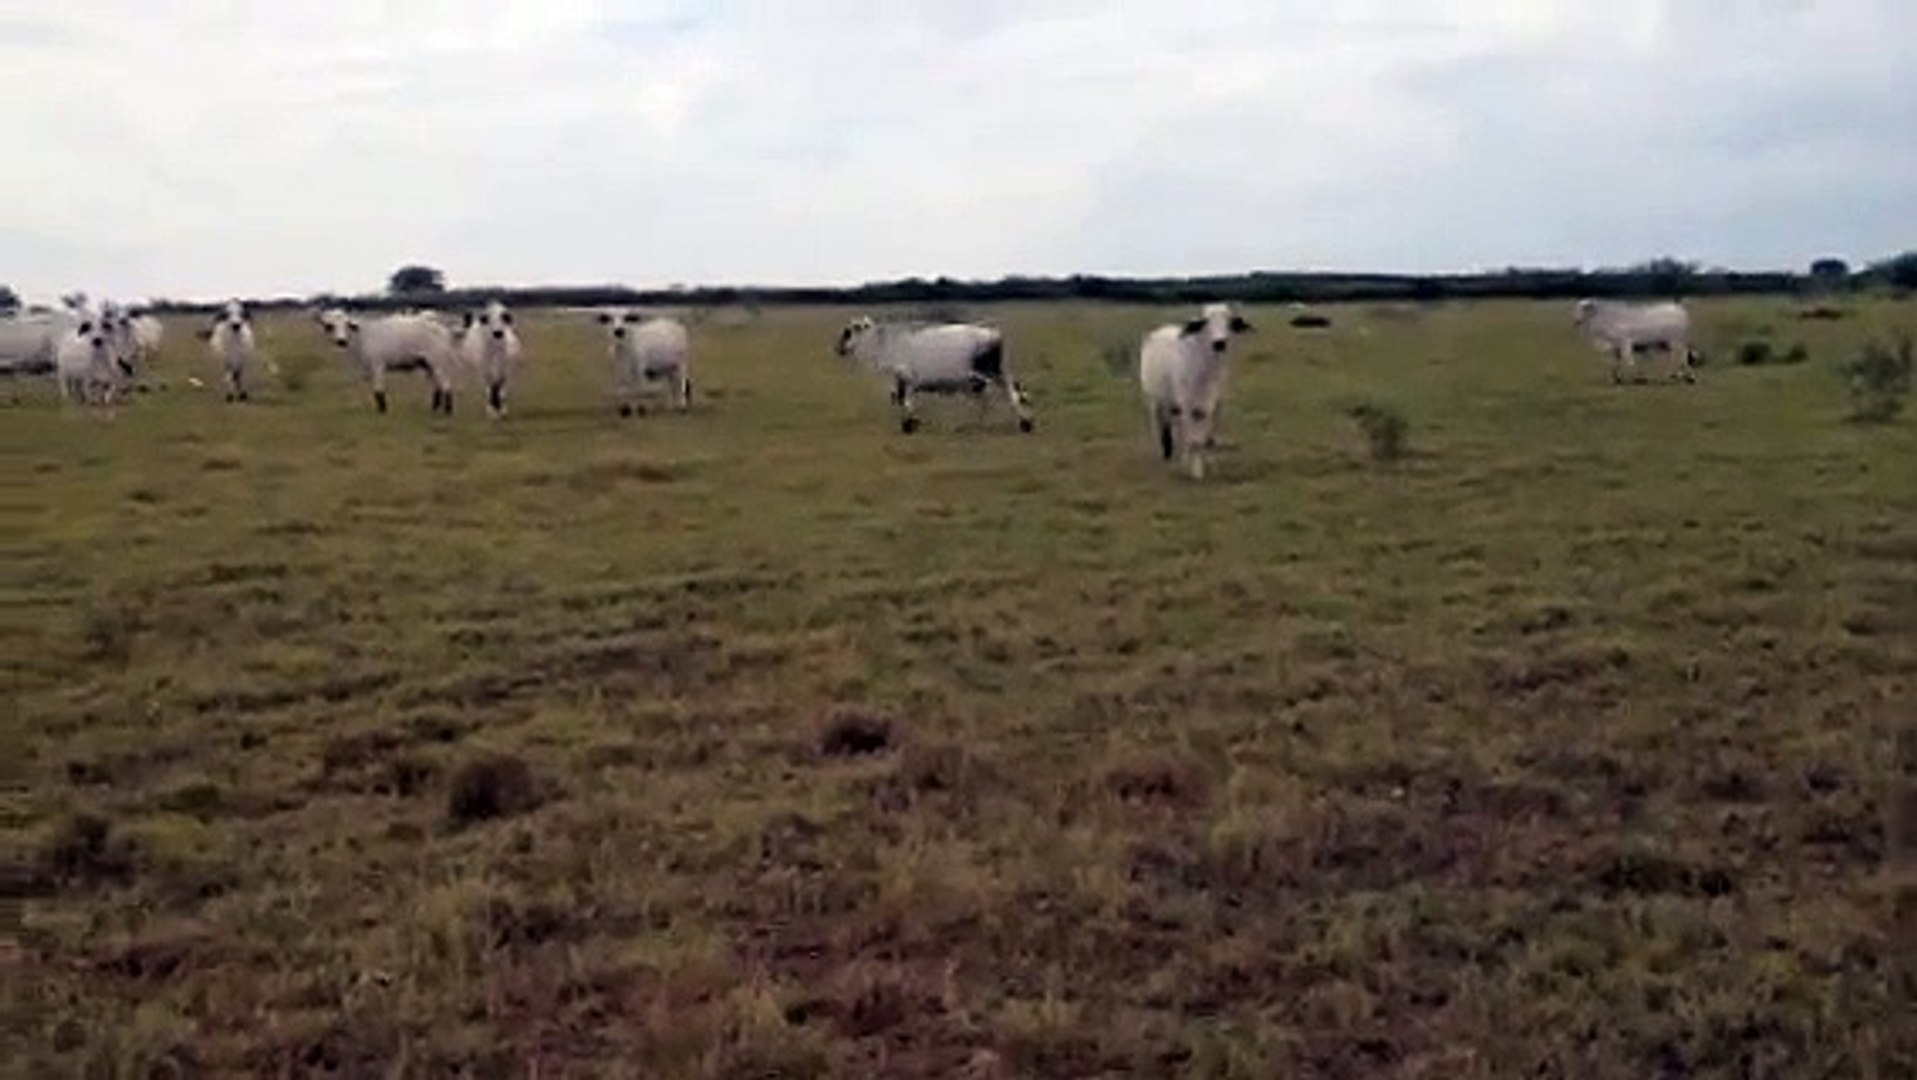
<point>196,148</point>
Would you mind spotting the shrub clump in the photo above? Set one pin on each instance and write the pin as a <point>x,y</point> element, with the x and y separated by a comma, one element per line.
<point>84,848</point>
<point>1879,380</point>
<point>855,733</point>
<point>1384,429</point>
<point>496,786</point>
<point>1759,352</point>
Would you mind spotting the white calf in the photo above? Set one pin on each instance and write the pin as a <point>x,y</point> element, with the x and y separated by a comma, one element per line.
<point>647,350</point>
<point>949,358</point>
<point>85,362</point>
<point>1624,330</point>
<point>490,346</point>
<point>397,343</point>
<point>1181,369</point>
<point>230,339</point>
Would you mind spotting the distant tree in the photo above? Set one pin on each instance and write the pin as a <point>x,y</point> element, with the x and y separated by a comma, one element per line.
<point>9,300</point>
<point>409,280</point>
<point>1899,270</point>
<point>1664,276</point>
<point>1830,271</point>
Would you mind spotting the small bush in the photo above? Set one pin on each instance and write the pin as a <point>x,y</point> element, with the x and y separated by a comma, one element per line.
<point>108,628</point>
<point>1759,352</point>
<point>1822,313</point>
<point>854,733</point>
<point>84,848</point>
<point>1879,380</point>
<point>296,373</point>
<point>497,786</point>
<point>1384,429</point>
<point>1310,321</point>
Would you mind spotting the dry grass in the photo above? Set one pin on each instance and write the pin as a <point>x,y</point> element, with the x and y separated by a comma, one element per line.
<point>767,741</point>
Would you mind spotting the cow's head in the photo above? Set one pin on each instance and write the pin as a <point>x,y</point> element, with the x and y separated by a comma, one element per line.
<point>232,316</point>
<point>339,326</point>
<point>494,320</point>
<point>618,321</point>
<point>1216,325</point>
<point>94,331</point>
<point>854,333</point>
<point>1584,311</point>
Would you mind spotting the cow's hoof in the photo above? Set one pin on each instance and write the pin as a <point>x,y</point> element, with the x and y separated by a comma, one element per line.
<point>909,425</point>
<point>625,411</point>
<point>1027,425</point>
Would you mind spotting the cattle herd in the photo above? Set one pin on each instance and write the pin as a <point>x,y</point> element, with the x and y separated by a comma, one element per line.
<point>94,353</point>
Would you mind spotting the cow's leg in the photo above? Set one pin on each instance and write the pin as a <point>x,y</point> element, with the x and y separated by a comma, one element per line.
<point>1681,362</point>
<point>1021,404</point>
<point>496,399</point>
<point>908,418</point>
<point>1167,430</point>
<point>379,388</point>
<point>1197,439</point>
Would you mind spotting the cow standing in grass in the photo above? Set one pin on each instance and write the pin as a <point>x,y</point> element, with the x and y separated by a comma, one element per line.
<point>647,350</point>
<point>949,358</point>
<point>489,345</point>
<point>148,332</point>
<point>85,361</point>
<point>1624,330</point>
<point>29,342</point>
<point>1181,370</point>
<point>397,343</point>
<point>230,340</point>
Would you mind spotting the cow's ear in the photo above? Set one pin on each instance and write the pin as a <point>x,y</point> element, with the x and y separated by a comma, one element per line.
<point>1196,326</point>
<point>468,317</point>
<point>1240,326</point>
<point>353,325</point>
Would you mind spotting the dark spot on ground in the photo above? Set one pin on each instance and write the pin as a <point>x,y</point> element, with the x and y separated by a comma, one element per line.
<point>496,786</point>
<point>855,733</point>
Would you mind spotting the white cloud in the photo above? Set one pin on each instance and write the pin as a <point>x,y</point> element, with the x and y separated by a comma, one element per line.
<point>200,147</point>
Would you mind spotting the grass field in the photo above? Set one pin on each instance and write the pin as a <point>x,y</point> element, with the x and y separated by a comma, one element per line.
<point>767,741</point>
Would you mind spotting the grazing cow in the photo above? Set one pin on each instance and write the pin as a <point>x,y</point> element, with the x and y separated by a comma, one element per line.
<point>28,342</point>
<point>85,361</point>
<point>647,350</point>
<point>1181,369</point>
<point>1624,330</point>
<point>230,339</point>
<point>947,358</point>
<point>490,346</point>
<point>148,332</point>
<point>397,343</point>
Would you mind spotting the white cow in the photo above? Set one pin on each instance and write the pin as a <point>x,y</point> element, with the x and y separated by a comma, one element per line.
<point>148,332</point>
<point>231,341</point>
<point>1181,369</point>
<point>1623,330</point>
<point>85,361</point>
<point>946,358</point>
<point>397,343</point>
<point>490,346</point>
<point>28,342</point>
<point>119,333</point>
<point>646,350</point>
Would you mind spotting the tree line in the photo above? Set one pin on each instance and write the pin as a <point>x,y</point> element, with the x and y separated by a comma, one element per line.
<point>424,286</point>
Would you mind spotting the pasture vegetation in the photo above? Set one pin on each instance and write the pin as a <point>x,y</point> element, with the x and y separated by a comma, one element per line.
<point>764,740</point>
